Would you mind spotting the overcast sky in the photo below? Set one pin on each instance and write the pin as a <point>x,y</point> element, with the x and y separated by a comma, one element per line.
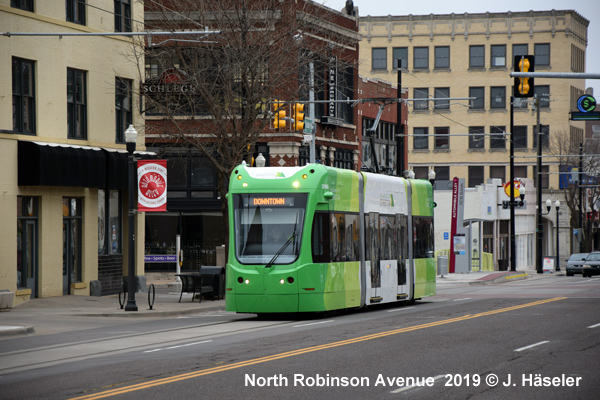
<point>589,9</point>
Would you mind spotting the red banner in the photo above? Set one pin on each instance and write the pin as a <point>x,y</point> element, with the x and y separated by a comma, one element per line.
<point>453,224</point>
<point>152,185</point>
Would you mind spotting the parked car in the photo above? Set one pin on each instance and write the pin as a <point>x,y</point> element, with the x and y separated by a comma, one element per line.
<point>591,265</point>
<point>575,263</point>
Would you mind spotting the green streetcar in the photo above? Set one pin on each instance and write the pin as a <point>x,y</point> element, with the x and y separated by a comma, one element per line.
<point>317,238</point>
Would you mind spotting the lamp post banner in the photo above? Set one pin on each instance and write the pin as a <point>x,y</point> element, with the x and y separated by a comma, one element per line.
<point>152,185</point>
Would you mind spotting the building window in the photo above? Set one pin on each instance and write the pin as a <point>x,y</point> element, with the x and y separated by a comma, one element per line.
<point>27,243</point>
<point>520,102</point>
<point>343,159</point>
<point>498,172</point>
<point>76,11</point>
<point>23,88</point>
<point>442,173</point>
<point>421,138</point>
<point>26,5</point>
<point>442,57</point>
<point>379,58</point>
<point>76,104</point>
<point>441,104</point>
<point>442,137</point>
<point>497,137</point>
<point>519,50</point>
<point>543,93</point>
<point>400,53</point>
<point>545,136</point>
<point>520,171</point>
<point>192,177</point>
<point>498,55</point>
<point>577,59</point>
<point>123,112</point>
<point>122,16</point>
<point>109,222</point>
<point>476,137</point>
<point>421,58</point>
<point>477,56</point>
<point>475,176</point>
<point>479,102</point>
<point>421,172</point>
<point>421,93</point>
<point>542,54</point>
<point>545,176</point>
<point>519,136</point>
<point>498,97</point>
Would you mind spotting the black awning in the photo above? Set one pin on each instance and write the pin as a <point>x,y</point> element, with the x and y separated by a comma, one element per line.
<point>46,164</point>
<point>116,170</point>
<point>50,164</point>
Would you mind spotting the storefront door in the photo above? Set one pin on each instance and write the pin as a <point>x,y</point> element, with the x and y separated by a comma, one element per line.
<point>71,243</point>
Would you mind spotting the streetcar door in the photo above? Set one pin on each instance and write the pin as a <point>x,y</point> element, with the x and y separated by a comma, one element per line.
<point>372,257</point>
<point>404,270</point>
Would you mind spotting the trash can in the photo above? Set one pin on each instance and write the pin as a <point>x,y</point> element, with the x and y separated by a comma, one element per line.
<point>214,276</point>
<point>442,265</point>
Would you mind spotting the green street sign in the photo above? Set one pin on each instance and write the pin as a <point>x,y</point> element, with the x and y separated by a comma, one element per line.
<point>308,125</point>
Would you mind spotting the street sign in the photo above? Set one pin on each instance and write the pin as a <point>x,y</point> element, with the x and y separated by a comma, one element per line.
<point>308,125</point>
<point>585,116</point>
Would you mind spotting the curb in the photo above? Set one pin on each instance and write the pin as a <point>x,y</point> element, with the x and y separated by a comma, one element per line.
<point>155,313</point>
<point>502,279</point>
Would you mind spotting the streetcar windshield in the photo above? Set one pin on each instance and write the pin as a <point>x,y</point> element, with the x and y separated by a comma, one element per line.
<point>268,227</point>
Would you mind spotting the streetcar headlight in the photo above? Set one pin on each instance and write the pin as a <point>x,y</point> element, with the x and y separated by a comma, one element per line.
<point>282,281</point>
<point>296,184</point>
<point>247,281</point>
<point>245,184</point>
<point>239,177</point>
<point>304,176</point>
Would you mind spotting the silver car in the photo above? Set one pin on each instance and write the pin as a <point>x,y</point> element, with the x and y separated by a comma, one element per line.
<point>575,263</point>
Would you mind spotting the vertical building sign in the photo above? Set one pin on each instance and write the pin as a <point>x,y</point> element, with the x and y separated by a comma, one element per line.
<point>458,240</point>
<point>332,86</point>
<point>152,185</point>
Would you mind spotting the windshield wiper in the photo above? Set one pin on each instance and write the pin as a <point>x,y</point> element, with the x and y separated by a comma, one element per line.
<point>285,245</point>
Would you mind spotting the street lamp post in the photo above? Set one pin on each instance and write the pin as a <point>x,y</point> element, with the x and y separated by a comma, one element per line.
<point>130,140</point>
<point>557,206</point>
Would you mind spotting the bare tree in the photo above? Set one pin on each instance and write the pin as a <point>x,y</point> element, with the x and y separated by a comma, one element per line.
<point>213,94</point>
<point>579,173</point>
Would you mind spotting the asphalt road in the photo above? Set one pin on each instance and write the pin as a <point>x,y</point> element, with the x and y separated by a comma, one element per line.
<point>534,339</point>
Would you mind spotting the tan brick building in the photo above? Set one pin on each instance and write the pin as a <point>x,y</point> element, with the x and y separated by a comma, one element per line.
<point>471,55</point>
<point>63,186</point>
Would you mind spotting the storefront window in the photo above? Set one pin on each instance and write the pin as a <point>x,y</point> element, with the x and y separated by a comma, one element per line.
<point>109,222</point>
<point>27,247</point>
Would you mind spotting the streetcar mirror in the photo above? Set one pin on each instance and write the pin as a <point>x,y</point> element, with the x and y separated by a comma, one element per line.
<point>328,195</point>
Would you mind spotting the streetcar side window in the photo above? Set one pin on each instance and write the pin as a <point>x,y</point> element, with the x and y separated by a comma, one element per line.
<point>423,244</point>
<point>372,247</point>
<point>320,238</point>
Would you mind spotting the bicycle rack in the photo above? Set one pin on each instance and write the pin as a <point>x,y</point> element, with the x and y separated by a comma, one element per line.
<point>151,291</point>
<point>123,292</point>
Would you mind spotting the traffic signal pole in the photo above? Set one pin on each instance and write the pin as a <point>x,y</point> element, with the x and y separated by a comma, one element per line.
<point>513,248</point>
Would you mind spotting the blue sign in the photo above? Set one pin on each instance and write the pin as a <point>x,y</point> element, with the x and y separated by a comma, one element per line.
<point>160,258</point>
<point>446,235</point>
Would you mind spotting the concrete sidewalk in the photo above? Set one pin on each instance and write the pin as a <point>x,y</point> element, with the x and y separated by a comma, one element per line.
<point>64,313</point>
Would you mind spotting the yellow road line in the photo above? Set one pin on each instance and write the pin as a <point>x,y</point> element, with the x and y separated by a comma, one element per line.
<point>189,375</point>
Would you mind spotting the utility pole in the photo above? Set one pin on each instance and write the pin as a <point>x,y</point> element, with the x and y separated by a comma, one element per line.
<point>399,126</point>
<point>540,224</point>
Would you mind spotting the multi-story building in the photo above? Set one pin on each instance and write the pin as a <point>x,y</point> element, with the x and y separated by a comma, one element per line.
<point>454,56</point>
<point>327,37</point>
<point>63,187</point>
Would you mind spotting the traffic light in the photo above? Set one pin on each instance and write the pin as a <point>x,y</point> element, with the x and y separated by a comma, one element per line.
<point>523,87</point>
<point>278,114</point>
<point>298,123</point>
